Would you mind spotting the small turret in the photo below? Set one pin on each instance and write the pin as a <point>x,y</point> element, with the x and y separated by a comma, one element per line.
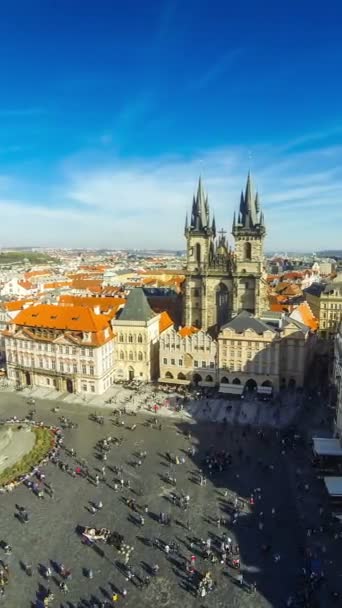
<point>213,227</point>
<point>186,226</point>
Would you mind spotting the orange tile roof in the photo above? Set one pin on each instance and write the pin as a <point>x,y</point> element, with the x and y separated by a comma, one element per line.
<point>107,305</point>
<point>110,289</point>
<point>188,331</point>
<point>26,284</point>
<point>37,273</point>
<point>74,318</point>
<point>16,304</point>
<point>293,275</point>
<point>278,307</point>
<point>90,284</point>
<point>307,316</point>
<point>55,284</point>
<point>165,321</point>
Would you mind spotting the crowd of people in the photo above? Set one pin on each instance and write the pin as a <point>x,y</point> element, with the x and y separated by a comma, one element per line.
<point>200,556</point>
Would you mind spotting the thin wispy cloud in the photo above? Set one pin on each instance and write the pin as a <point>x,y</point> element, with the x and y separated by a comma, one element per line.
<point>222,65</point>
<point>139,203</point>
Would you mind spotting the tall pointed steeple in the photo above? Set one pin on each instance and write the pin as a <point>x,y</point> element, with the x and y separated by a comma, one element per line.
<point>200,219</point>
<point>213,227</point>
<point>257,203</point>
<point>249,207</point>
<point>234,221</point>
<point>186,226</point>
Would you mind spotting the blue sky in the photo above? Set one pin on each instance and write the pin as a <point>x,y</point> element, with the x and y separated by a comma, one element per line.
<point>110,110</point>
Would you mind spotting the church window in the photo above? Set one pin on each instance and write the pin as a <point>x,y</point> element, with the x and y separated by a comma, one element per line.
<point>198,253</point>
<point>248,251</point>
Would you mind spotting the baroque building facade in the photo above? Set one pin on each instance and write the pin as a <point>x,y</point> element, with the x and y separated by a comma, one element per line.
<point>220,282</point>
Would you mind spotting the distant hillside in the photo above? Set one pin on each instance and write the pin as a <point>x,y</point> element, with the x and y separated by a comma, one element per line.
<point>330,253</point>
<point>18,257</point>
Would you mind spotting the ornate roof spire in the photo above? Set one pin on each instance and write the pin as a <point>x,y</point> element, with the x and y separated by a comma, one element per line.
<point>200,209</point>
<point>186,226</point>
<point>257,203</point>
<point>213,226</point>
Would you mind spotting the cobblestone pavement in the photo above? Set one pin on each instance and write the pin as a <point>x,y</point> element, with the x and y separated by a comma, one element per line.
<point>51,535</point>
<point>279,413</point>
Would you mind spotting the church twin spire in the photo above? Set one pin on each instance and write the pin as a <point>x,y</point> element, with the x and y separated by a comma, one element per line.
<point>200,213</point>
<point>249,217</point>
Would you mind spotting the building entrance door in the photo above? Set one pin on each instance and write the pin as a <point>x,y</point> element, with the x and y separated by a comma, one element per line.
<point>130,374</point>
<point>28,378</point>
<point>70,385</point>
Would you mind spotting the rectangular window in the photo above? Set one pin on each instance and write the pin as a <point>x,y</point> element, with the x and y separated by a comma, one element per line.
<point>84,387</point>
<point>172,361</point>
<point>67,350</point>
<point>165,361</point>
<point>74,351</point>
<point>180,362</point>
<point>91,370</point>
<point>91,352</point>
<point>195,363</point>
<point>75,369</point>
<point>53,364</point>
<point>212,364</point>
<point>61,366</point>
<point>92,388</point>
<point>84,369</point>
<point>204,364</point>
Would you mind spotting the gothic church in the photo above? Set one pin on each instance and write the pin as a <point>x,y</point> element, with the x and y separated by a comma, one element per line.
<point>221,282</point>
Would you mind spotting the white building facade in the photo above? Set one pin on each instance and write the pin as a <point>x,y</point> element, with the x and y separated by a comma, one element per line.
<point>70,349</point>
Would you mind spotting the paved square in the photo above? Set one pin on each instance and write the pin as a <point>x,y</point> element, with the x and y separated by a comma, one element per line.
<point>51,535</point>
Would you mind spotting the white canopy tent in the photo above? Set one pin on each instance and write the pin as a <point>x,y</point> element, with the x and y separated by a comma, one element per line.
<point>323,446</point>
<point>231,389</point>
<point>334,486</point>
<point>264,390</point>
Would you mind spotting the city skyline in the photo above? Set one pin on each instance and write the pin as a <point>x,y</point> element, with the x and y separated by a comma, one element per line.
<point>109,116</point>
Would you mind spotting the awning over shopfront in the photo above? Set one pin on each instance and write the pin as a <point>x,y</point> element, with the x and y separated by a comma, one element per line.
<point>334,486</point>
<point>231,389</point>
<point>323,446</point>
<point>173,381</point>
<point>264,390</point>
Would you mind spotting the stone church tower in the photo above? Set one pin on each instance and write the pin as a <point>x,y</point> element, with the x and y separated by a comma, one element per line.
<point>219,282</point>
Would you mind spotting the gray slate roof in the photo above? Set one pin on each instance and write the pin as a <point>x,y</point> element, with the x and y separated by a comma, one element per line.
<point>245,320</point>
<point>137,307</point>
